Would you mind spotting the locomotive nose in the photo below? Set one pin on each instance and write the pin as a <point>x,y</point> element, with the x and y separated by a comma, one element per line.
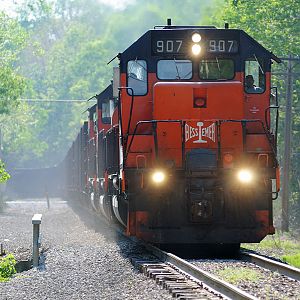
<point>198,100</point>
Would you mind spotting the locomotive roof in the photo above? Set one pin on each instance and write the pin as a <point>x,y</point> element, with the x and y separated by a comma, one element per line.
<point>247,45</point>
<point>105,94</point>
<point>92,109</point>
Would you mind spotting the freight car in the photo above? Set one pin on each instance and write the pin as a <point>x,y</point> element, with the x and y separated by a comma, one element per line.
<point>181,147</point>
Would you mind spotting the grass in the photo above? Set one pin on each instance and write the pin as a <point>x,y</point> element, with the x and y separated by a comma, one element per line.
<point>282,246</point>
<point>293,260</point>
<point>235,275</point>
<point>7,267</point>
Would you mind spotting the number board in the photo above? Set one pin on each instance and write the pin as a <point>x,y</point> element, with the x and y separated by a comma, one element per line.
<point>222,46</point>
<point>168,46</point>
<point>180,46</point>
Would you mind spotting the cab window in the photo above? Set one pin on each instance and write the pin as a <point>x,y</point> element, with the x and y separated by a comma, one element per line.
<point>105,111</point>
<point>216,69</point>
<point>137,77</point>
<point>174,69</point>
<point>255,79</point>
<point>95,120</point>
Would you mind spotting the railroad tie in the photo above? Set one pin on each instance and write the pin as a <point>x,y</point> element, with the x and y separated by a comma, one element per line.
<point>180,286</point>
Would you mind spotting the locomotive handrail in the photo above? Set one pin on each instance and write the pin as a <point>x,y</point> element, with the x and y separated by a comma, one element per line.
<point>131,108</point>
<point>182,123</point>
<point>130,114</point>
<point>276,121</point>
<point>267,133</point>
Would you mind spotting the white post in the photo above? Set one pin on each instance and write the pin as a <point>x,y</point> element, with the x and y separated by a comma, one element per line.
<point>36,221</point>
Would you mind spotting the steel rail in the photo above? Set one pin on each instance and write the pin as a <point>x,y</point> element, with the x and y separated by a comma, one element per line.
<point>208,279</point>
<point>271,264</point>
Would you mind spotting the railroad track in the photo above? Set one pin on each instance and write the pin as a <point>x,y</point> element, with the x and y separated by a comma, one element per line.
<point>171,270</point>
<point>188,281</point>
<point>181,278</point>
<point>271,264</point>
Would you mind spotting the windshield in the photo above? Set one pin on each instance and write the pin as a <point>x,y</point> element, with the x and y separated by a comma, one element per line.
<point>216,69</point>
<point>174,69</point>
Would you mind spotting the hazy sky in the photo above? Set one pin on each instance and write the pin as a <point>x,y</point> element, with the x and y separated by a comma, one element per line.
<point>8,5</point>
<point>117,3</point>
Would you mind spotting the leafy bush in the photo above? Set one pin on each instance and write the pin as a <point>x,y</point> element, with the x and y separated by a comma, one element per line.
<point>7,267</point>
<point>3,174</point>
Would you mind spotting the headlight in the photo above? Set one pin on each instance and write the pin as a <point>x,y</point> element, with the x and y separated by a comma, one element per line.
<point>158,176</point>
<point>196,49</point>
<point>196,37</point>
<point>245,176</point>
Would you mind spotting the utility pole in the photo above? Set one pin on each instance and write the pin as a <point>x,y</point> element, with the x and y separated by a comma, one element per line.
<point>287,148</point>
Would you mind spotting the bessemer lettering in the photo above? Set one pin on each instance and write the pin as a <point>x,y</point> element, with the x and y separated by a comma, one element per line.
<point>200,132</point>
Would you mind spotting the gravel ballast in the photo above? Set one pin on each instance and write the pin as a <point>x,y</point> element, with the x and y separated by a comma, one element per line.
<point>267,285</point>
<point>84,258</point>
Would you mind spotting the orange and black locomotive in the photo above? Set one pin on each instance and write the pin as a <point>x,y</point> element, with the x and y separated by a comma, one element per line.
<point>181,147</point>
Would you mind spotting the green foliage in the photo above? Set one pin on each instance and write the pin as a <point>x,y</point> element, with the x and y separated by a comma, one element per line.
<point>293,260</point>
<point>275,24</point>
<point>12,86</point>
<point>275,244</point>
<point>70,43</point>
<point>236,275</point>
<point>33,12</point>
<point>3,174</point>
<point>281,246</point>
<point>20,133</point>
<point>12,39</point>
<point>7,267</point>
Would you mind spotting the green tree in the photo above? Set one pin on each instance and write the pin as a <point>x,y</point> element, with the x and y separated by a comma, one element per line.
<point>70,43</point>
<point>12,39</point>
<point>276,25</point>
<point>20,134</point>
<point>12,85</point>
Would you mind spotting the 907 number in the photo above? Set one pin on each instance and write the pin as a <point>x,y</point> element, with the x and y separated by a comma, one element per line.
<point>169,46</point>
<point>221,46</point>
